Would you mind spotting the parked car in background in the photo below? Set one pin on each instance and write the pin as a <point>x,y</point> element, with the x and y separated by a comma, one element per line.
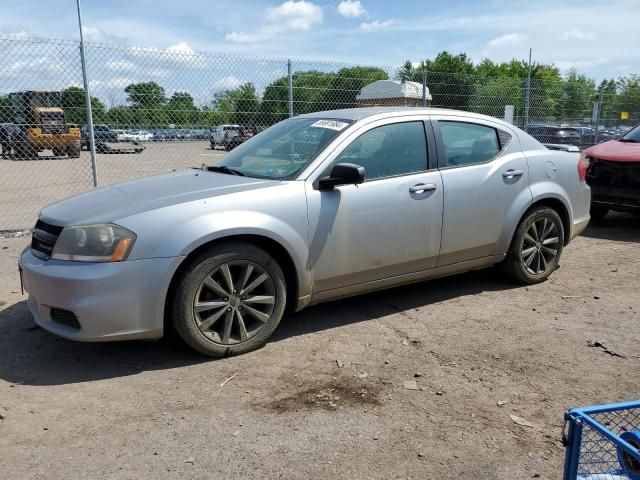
<point>317,207</point>
<point>199,134</point>
<point>137,136</point>
<point>164,135</point>
<point>555,134</point>
<point>120,135</point>
<point>101,134</point>
<point>222,135</point>
<point>232,137</point>
<point>587,136</point>
<point>614,175</point>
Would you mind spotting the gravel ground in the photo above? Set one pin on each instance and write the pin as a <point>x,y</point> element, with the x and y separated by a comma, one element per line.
<point>328,397</point>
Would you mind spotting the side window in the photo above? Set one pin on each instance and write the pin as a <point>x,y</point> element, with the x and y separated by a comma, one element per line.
<point>389,150</point>
<point>468,143</point>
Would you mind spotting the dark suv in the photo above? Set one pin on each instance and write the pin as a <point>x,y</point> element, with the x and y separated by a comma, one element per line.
<point>552,134</point>
<point>101,134</point>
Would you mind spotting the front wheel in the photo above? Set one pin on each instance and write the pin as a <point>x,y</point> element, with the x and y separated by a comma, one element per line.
<point>536,246</point>
<point>229,300</point>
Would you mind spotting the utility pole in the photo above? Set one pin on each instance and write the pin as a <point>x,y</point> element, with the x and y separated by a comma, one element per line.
<point>87,101</point>
<point>290,83</point>
<point>527,96</point>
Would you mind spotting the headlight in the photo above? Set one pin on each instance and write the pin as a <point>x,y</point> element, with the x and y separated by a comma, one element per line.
<point>94,243</point>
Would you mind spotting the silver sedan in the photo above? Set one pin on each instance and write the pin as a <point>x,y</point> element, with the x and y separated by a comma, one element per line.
<point>317,207</point>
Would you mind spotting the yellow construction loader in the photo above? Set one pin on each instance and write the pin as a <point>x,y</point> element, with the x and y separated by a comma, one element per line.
<point>39,124</point>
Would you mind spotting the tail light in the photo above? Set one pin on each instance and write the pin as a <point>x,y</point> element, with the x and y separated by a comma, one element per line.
<point>583,166</point>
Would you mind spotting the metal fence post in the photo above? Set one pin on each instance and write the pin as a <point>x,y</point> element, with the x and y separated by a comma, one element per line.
<point>424,88</point>
<point>290,76</point>
<point>527,96</point>
<point>87,100</point>
<point>597,108</point>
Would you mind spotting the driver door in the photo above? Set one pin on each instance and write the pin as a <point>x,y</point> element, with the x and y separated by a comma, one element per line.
<point>390,225</point>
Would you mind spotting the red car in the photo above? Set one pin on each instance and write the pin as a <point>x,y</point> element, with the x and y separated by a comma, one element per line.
<point>614,175</point>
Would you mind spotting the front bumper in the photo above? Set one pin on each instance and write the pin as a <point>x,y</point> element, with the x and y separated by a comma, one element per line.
<point>616,199</point>
<point>111,301</point>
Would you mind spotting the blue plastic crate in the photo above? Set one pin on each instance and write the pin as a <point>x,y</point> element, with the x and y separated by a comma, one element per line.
<point>603,442</point>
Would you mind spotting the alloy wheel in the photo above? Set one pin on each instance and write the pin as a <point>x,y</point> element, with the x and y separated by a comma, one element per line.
<point>234,302</point>
<point>540,246</point>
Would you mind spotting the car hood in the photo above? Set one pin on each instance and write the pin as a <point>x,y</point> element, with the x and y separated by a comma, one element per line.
<point>616,151</point>
<point>108,204</point>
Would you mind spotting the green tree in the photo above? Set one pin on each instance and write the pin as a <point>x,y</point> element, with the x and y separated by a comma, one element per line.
<point>147,101</point>
<point>607,94</point>
<point>493,93</point>
<point>6,110</point>
<point>346,85</point>
<point>239,105</point>
<point>121,117</point>
<point>181,110</point>
<point>576,101</point>
<point>73,104</point>
<point>406,72</point>
<point>628,99</point>
<point>145,95</point>
<point>310,91</point>
<point>450,79</point>
<point>546,92</point>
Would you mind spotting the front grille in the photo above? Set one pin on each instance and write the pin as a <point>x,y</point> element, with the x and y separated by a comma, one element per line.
<point>65,317</point>
<point>44,239</point>
<point>603,174</point>
<point>53,122</point>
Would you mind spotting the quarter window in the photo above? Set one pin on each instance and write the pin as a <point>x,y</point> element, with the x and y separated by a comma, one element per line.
<point>389,150</point>
<point>468,143</point>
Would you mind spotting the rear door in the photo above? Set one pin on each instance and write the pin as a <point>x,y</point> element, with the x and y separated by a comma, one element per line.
<point>486,179</point>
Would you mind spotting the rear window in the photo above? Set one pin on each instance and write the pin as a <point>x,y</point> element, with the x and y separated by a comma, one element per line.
<point>468,143</point>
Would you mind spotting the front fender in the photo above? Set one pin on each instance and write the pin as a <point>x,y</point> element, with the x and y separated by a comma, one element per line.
<point>184,238</point>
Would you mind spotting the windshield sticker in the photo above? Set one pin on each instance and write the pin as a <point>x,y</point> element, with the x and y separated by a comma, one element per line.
<point>331,124</point>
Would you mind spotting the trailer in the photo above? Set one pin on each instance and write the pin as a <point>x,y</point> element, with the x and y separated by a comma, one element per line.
<point>603,442</point>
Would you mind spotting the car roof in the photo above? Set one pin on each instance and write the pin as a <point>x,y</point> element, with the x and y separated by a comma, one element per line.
<point>356,114</point>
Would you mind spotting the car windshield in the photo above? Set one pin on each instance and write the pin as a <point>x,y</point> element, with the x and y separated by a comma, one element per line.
<point>283,150</point>
<point>632,135</point>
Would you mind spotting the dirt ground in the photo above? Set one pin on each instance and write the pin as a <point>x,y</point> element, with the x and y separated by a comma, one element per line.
<point>327,398</point>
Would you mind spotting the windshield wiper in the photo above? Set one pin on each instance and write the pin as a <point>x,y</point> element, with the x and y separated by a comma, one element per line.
<point>225,169</point>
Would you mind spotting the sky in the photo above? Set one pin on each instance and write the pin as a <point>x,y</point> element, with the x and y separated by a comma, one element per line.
<point>598,38</point>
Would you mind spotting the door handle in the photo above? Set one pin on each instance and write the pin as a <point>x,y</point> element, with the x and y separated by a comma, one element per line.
<point>423,187</point>
<point>513,173</point>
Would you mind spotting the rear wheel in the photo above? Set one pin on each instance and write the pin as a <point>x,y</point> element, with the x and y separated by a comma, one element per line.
<point>230,300</point>
<point>598,212</point>
<point>536,246</point>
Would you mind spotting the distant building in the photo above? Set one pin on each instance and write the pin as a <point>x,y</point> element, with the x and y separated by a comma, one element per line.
<point>392,93</point>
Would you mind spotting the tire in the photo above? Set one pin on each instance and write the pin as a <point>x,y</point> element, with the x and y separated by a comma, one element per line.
<point>530,259</point>
<point>73,151</point>
<point>598,212</point>
<point>253,310</point>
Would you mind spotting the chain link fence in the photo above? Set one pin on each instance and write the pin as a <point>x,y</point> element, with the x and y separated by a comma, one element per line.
<point>158,110</point>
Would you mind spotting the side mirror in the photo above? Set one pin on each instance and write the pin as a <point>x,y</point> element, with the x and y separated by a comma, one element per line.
<point>342,174</point>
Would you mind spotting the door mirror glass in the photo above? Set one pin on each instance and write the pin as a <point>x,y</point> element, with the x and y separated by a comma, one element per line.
<point>342,174</point>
